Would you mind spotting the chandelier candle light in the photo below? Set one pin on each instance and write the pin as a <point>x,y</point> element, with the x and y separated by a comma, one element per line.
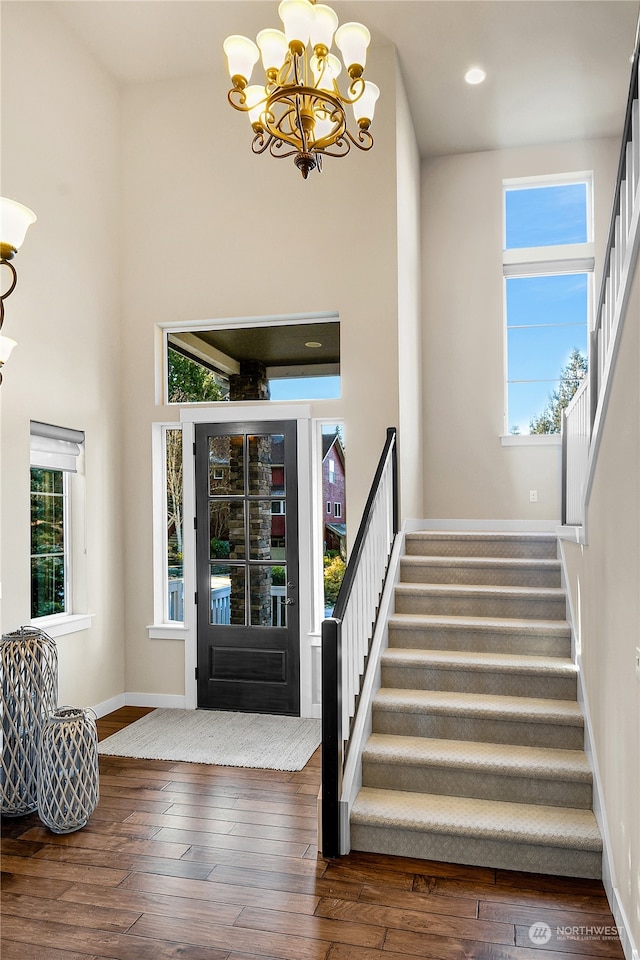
<point>15,220</point>
<point>300,111</point>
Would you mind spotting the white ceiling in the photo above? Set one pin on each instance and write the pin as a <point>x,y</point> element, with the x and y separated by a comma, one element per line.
<point>556,69</point>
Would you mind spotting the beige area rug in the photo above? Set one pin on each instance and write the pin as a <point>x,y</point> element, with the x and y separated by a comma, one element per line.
<point>254,740</point>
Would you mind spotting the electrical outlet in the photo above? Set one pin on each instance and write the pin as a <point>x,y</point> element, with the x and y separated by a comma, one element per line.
<point>533,496</point>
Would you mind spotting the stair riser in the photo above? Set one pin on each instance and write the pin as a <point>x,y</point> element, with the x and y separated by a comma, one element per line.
<point>528,644</point>
<point>471,783</point>
<point>489,576</point>
<point>452,727</point>
<point>537,608</point>
<point>480,681</point>
<point>417,546</point>
<point>478,851</point>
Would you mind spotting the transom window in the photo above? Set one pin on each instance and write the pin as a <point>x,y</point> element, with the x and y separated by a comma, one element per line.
<point>548,270</point>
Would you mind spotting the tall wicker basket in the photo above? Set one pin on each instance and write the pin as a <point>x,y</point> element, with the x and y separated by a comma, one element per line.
<point>29,685</point>
<point>68,783</point>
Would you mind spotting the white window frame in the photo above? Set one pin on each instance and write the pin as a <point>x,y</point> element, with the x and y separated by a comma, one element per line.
<point>162,627</point>
<point>329,511</point>
<point>543,261</point>
<point>62,449</point>
<point>337,510</point>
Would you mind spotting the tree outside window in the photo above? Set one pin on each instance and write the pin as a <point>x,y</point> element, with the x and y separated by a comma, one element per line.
<point>49,558</point>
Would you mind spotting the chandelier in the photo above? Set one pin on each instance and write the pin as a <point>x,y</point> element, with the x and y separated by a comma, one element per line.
<point>299,111</point>
<point>15,220</point>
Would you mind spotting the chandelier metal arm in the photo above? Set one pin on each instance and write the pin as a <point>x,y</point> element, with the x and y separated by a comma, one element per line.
<point>299,109</point>
<point>364,140</point>
<point>10,288</point>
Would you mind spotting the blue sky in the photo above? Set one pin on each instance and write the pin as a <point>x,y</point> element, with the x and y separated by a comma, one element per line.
<point>546,315</point>
<point>305,388</point>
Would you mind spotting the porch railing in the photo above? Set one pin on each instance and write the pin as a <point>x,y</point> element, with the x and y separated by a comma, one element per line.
<point>581,423</point>
<point>346,636</point>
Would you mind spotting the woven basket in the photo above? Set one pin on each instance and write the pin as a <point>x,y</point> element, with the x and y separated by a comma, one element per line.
<point>68,781</point>
<point>29,684</point>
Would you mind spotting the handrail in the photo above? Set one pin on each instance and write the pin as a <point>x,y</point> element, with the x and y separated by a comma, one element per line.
<point>346,637</point>
<point>627,131</point>
<point>354,559</point>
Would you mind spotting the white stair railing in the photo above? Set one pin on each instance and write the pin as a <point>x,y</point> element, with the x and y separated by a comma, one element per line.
<point>347,636</point>
<point>583,416</point>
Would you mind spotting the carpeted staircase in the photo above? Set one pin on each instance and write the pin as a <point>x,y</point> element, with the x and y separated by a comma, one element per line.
<point>476,754</point>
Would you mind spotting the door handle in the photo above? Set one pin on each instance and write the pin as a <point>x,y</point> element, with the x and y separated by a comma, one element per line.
<point>289,602</point>
<point>290,584</point>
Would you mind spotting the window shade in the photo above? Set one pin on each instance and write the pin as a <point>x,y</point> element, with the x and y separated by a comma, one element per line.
<point>55,448</point>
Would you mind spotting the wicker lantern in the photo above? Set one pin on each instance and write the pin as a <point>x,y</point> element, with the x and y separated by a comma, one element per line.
<point>29,684</point>
<point>68,780</point>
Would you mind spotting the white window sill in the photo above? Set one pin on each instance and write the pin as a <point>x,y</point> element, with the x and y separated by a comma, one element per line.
<point>167,631</point>
<point>63,624</point>
<point>531,440</point>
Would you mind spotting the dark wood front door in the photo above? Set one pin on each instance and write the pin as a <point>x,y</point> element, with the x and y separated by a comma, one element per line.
<point>247,567</point>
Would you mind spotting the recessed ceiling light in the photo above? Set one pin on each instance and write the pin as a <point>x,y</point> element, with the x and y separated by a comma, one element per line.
<point>475,75</point>
<point>313,344</point>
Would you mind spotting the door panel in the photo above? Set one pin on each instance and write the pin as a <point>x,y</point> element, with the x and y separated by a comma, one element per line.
<point>247,567</point>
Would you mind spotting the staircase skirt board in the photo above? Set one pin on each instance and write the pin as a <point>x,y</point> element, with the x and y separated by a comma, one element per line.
<point>477,747</point>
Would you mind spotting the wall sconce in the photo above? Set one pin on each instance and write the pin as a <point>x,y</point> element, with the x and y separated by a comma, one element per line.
<point>15,220</point>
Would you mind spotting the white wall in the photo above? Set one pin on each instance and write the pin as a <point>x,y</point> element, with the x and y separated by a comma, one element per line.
<point>60,156</point>
<point>212,231</point>
<point>603,578</point>
<point>409,316</point>
<point>468,473</point>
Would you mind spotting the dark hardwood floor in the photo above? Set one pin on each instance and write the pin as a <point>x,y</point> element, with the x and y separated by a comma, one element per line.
<point>216,863</point>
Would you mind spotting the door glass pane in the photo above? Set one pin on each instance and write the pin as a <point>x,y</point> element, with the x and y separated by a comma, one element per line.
<point>268,594</point>
<point>226,519</point>
<point>266,465</point>
<point>227,594</point>
<point>266,530</point>
<point>226,465</point>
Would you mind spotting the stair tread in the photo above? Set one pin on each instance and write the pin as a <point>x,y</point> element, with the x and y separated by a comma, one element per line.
<point>506,759</point>
<point>471,589</point>
<point>486,706</point>
<point>411,620</point>
<point>568,827</point>
<point>507,562</point>
<point>467,660</point>
<point>512,535</point>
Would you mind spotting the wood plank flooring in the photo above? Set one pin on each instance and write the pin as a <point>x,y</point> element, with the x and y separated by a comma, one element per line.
<point>216,863</point>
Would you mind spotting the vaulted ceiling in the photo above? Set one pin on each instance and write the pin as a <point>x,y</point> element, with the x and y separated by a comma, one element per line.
<point>556,69</point>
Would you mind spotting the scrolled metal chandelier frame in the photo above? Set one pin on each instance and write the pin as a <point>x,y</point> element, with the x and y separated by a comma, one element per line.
<point>300,110</point>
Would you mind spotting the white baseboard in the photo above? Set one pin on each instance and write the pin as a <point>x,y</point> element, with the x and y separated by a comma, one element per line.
<point>630,948</point>
<point>172,701</point>
<point>108,706</point>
